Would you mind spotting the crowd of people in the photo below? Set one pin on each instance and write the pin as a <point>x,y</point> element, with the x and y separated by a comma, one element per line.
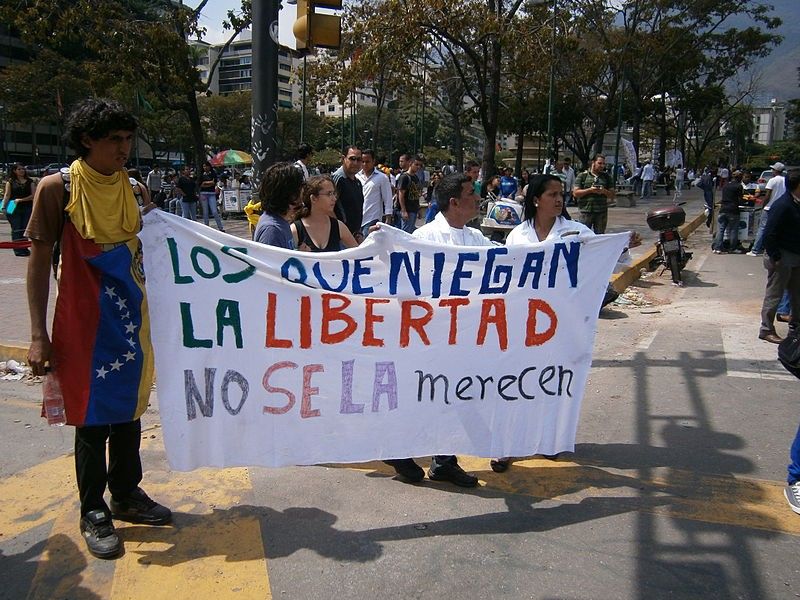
<point>93,217</point>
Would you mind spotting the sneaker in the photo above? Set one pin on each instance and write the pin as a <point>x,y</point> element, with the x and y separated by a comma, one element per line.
<point>453,473</point>
<point>751,253</point>
<point>137,507</point>
<point>407,469</point>
<point>98,531</point>
<point>717,251</point>
<point>792,493</point>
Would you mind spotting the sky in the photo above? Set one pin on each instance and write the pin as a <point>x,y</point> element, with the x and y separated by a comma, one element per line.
<point>216,12</point>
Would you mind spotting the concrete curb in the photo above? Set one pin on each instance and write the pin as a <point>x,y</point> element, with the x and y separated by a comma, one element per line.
<point>12,351</point>
<point>622,280</point>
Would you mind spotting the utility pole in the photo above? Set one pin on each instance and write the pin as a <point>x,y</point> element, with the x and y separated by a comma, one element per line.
<point>265,84</point>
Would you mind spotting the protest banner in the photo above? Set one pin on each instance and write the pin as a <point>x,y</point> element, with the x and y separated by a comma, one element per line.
<point>395,348</point>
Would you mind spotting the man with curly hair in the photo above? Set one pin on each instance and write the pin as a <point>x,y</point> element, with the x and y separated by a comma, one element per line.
<point>100,353</point>
<point>279,194</point>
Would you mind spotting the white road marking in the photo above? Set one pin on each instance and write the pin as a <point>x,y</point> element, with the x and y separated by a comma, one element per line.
<point>748,357</point>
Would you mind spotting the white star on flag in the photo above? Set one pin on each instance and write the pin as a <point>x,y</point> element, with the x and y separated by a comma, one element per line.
<point>132,343</point>
<point>130,328</point>
<point>110,292</point>
<point>101,373</point>
<point>126,315</point>
<point>115,366</point>
<point>121,303</point>
<point>129,356</point>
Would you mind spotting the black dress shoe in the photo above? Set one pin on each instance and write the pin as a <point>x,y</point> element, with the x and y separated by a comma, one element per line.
<point>453,473</point>
<point>98,531</point>
<point>138,507</point>
<point>500,465</point>
<point>772,338</point>
<point>407,469</point>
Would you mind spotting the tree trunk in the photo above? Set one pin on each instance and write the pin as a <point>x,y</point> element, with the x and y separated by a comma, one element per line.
<point>489,118</point>
<point>458,141</point>
<point>520,144</point>
<point>193,113</point>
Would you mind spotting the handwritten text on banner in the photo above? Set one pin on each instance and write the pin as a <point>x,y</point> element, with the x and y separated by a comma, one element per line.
<point>396,348</point>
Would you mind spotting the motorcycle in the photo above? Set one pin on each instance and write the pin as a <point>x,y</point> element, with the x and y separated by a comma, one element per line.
<point>669,248</point>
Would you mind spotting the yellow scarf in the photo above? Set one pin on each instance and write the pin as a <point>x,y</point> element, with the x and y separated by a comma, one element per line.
<point>102,207</point>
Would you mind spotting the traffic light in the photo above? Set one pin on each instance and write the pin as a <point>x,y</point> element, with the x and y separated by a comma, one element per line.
<point>317,30</point>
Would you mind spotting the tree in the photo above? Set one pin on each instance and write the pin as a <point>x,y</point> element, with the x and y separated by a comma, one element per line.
<point>151,35</point>
<point>227,119</point>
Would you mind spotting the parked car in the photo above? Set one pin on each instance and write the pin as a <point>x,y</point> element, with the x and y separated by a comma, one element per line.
<point>763,179</point>
<point>34,170</point>
<point>53,168</point>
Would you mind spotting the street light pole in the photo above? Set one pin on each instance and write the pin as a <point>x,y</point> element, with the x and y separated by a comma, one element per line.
<point>265,84</point>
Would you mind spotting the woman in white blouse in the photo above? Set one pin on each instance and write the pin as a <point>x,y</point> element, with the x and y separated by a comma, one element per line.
<point>545,220</point>
<point>544,208</point>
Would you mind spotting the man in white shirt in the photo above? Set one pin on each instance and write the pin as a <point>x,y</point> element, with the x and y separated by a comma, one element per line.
<point>776,187</point>
<point>569,180</point>
<point>304,152</point>
<point>377,193</point>
<point>458,205</point>
<point>679,177</point>
<point>648,176</point>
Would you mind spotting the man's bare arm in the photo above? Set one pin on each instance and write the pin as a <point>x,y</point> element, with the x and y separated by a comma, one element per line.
<point>38,282</point>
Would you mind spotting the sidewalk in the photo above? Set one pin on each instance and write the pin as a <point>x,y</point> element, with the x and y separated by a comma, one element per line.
<point>15,328</point>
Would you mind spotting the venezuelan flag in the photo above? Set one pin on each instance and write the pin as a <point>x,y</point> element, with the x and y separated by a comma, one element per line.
<point>101,331</point>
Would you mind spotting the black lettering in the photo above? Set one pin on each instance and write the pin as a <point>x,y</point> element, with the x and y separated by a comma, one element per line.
<point>462,386</point>
<point>193,396</point>
<point>546,376</point>
<point>505,382</point>
<point>432,382</point>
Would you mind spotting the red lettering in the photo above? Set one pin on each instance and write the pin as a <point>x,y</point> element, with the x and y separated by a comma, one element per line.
<point>407,322</point>
<point>370,318</point>
<point>305,403</point>
<point>330,314</point>
<point>537,339</point>
<point>272,341</point>
<point>453,304</point>
<point>493,311</point>
<point>305,322</point>
<point>290,399</point>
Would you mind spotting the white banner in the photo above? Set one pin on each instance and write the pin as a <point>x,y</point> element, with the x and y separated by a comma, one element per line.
<point>630,154</point>
<point>396,348</point>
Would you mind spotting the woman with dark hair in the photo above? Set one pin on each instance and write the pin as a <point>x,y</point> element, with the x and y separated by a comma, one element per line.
<point>19,188</point>
<point>278,198</point>
<point>207,182</point>
<point>317,229</point>
<point>544,205</point>
<point>543,210</point>
<point>491,190</point>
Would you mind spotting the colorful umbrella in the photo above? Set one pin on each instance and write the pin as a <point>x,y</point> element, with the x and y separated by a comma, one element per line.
<point>231,157</point>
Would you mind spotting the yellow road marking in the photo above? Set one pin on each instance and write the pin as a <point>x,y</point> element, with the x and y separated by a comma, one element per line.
<point>214,548</point>
<point>676,493</point>
<point>45,490</point>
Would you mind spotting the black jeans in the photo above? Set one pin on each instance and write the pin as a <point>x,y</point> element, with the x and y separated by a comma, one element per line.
<point>124,472</point>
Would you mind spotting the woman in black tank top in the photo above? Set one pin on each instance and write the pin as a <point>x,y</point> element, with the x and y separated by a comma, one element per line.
<point>317,229</point>
<point>19,188</point>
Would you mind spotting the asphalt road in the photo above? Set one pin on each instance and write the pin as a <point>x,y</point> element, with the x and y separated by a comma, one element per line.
<point>674,491</point>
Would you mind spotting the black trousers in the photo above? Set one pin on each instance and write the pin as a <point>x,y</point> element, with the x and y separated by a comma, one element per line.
<point>124,471</point>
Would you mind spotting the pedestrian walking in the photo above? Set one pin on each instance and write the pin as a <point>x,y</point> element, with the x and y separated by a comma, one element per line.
<point>18,203</point>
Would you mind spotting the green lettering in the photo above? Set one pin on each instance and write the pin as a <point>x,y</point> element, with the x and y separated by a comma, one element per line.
<point>173,255</point>
<point>189,341</point>
<point>215,268</point>
<point>244,273</point>
<point>228,316</point>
